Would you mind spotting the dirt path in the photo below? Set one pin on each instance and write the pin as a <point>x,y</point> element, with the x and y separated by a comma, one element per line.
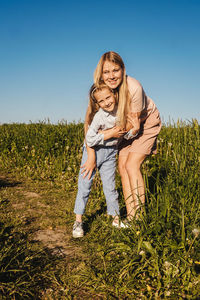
<point>45,213</point>
<point>42,208</point>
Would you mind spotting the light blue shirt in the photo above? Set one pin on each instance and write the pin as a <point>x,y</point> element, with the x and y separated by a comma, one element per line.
<point>103,120</point>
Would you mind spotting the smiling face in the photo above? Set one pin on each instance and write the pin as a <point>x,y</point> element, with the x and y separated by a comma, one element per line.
<point>112,74</point>
<point>105,99</point>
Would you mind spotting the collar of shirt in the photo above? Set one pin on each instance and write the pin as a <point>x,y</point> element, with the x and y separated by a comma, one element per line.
<point>106,113</point>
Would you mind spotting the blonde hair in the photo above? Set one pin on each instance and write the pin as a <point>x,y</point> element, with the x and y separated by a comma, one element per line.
<point>124,98</point>
<point>93,106</point>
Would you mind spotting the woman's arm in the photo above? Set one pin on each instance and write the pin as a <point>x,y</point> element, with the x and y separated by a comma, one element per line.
<point>114,132</point>
<point>133,122</point>
<point>137,105</point>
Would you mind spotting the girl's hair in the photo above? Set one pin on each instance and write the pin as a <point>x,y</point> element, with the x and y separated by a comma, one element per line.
<point>93,105</point>
<point>124,98</point>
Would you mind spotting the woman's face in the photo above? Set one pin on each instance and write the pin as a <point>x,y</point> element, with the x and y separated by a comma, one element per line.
<point>112,74</point>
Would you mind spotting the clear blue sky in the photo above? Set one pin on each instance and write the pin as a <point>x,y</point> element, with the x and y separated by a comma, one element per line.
<point>49,50</point>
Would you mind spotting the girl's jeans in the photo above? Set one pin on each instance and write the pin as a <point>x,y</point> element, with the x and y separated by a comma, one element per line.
<point>106,164</point>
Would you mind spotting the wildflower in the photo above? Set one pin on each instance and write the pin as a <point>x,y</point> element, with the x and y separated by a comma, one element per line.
<point>142,252</point>
<point>147,162</point>
<point>148,288</point>
<point>169,144</point>
<point>167,264</point>
<point>196,232</point>
<point>168,293</point>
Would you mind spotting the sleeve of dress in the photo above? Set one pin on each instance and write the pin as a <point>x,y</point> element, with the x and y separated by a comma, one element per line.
<point>94,138</point>
<point>138,97</point>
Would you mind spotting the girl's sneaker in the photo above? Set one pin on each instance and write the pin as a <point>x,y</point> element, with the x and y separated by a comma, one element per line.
<point>77,230</point>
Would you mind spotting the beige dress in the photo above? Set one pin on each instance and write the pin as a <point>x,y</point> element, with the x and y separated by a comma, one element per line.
<point>146,140</point>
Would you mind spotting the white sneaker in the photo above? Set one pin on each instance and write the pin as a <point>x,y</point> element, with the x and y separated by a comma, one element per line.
<point>77,230</point>
<point>120,224</point>
<point>125,224</point>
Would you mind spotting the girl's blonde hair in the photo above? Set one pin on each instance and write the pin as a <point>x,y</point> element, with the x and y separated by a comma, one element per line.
<point>124,98</point>
<point>93,105</point>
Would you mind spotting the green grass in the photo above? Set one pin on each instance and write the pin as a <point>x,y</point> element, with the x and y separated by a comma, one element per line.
<point>158,257</point>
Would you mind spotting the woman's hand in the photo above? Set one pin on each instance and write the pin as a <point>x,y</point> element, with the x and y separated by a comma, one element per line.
<point>90,164</point>
<point>114,132</point>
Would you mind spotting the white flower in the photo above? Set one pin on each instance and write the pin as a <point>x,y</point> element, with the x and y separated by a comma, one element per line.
<point>196,232</point>
<point>167,264</point>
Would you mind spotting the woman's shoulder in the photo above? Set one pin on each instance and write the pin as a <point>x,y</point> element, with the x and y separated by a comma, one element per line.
<point>133,84</point>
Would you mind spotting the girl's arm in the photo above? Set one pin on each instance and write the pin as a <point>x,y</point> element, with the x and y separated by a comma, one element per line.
<point>95,136</point>
<point>90,164</point>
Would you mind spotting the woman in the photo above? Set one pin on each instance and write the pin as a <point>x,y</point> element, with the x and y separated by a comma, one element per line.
<point>136,111</point>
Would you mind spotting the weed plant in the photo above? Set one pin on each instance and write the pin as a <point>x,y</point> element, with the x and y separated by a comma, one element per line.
<point>158,257</point>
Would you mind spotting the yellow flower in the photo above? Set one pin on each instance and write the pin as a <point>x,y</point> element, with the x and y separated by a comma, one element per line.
<point>148,288</point>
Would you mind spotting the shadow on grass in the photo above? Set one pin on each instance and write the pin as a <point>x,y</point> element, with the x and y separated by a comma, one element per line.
<point>90,218</point>
<point>6,183</point>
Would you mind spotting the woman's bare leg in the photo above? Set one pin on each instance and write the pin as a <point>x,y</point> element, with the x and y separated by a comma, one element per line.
<point>136,182</point>
<point>125,183</point>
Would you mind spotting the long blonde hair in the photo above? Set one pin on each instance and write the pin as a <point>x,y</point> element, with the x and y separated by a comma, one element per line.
<point>124,98</point>
<point>93,105</point>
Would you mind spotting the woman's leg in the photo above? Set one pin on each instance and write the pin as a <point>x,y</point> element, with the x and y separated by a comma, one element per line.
<point>125,183</point>
<point>136,182</point>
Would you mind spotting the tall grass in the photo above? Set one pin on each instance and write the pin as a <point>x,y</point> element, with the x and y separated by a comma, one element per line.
<point>158,257</point>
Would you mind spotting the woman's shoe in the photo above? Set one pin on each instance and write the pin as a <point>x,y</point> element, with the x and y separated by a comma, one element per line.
<point>120,224</point>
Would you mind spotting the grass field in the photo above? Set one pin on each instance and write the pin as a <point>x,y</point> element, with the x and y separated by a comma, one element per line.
<point>158,257</point>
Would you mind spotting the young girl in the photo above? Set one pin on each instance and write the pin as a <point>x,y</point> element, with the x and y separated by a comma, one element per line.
<point>137,110</point>
<point>103,108</point>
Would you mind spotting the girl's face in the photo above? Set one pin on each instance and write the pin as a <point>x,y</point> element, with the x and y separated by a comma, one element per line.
<point>112,74</point>
<point>105,99</point>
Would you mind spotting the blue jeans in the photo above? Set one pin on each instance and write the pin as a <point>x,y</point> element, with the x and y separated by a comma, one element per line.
<point>106,164</point>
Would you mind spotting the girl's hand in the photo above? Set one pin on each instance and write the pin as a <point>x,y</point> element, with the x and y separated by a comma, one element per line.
<point>90,164</point>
